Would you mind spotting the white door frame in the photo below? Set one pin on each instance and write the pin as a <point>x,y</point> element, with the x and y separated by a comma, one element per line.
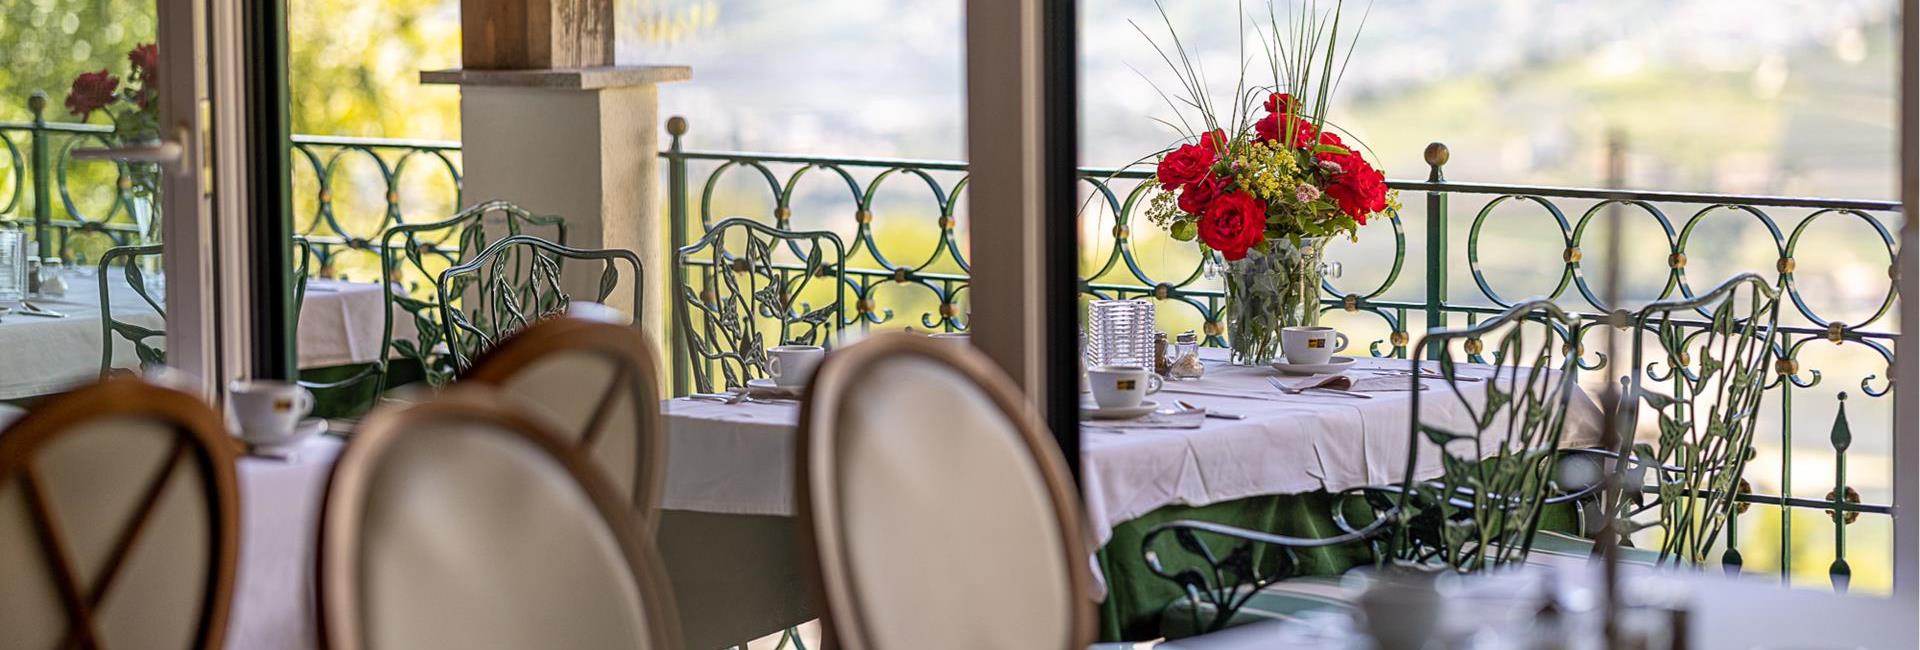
<point>202,189</point>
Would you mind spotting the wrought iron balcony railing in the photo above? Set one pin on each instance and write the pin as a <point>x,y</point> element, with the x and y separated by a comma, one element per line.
<point>906,235</point>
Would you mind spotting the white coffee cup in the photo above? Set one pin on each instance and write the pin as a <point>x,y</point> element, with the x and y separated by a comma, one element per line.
<point>1311,345</point>
<point>790,366</point>
<point>268,411</point>
<point>1121,386</point>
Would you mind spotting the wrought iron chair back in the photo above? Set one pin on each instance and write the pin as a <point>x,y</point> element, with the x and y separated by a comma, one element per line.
<point>1481,511</point>
<point>1496,478</point>
<point>142,337</point>
<point>755,282</point>
<point>128,257</point>
<point>412,257</point>
<point>1718,373</point>
<point>515,282</point>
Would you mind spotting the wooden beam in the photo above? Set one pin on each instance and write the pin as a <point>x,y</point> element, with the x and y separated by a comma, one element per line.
<point>535,34</point>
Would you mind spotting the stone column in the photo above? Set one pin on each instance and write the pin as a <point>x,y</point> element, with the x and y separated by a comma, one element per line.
<point>582,143</point>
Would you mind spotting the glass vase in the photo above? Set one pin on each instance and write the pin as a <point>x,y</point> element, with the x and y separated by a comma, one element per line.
<point>1267,292</point>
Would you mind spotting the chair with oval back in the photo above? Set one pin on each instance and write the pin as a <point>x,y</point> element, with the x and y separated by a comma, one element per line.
<point>457,522</point>
<point>598,385</point>
<point>118,521</point>
<point>515,282</point>
<point>966,533</point>
<point>1468,498</point>
<point>754,283</point>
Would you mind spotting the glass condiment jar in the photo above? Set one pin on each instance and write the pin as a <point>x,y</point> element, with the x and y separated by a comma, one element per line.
<point>1186,357</point>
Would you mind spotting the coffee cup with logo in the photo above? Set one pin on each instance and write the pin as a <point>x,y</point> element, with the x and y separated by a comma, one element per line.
<point>1311,345</point>
<point>269,411</point>
<point>790,366</point>
<point>1121,386</point>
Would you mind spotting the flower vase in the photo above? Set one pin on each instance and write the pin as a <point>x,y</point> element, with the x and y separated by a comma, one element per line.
<point>1267,292</point>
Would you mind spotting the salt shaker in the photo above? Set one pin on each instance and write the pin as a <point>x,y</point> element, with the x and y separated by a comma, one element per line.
<point>1185,363</point>
<point>53,277</point>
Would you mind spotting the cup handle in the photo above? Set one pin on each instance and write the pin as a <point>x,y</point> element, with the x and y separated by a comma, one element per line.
<point>773,367</point>
<point>306,402</point>
<point>1154,383</point>
<point>1340,342</point>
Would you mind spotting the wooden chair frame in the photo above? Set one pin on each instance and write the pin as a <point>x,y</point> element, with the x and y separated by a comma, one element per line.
<point>637,372</point>
<point>199,436</point>
<point>816,473</point>
<point>342,512</point>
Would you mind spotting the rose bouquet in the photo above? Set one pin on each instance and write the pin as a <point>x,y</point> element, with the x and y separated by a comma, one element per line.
<point>135,115</point>
<point>1267,194</point>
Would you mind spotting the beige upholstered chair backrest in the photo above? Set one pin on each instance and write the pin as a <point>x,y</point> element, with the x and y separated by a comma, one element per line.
<point>941,515</point>
<point>596,384</point>
<point>118,521</point>
<point>458,523</point>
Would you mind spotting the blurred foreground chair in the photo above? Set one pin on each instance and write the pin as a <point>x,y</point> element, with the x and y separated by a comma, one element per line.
<point>1481,509</point>
<point>966,533</point>
<point>597,385</point>
<point>118,521</point>
<point>459,523</point>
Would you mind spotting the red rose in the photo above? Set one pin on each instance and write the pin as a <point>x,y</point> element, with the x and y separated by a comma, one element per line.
<point>1279,103</point>
<point>1360,189</point>
<point>92,91</point>
<point>1197,195</point>
<point>1235,222</point>
<point>145,60</point>
<point>1190,162</point>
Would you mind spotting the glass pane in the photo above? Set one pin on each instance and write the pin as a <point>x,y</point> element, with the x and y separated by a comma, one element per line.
<point>80,276</point>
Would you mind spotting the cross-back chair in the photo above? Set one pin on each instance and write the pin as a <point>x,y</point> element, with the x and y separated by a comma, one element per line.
<point>515,282</point>
<point>459,522</point>
<point>757,287</point>
<point>966,534</point>
<point>412,257</point>
<point>597,385</point>
<point>118,521</point>
<point>1467,499</point>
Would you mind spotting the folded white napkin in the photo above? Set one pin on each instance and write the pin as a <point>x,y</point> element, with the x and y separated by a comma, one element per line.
<point>1155,420</point>
<point>1360,384</point>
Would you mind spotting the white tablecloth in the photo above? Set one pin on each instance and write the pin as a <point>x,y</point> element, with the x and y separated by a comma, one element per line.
<point>339,324</point>
<point>273,592</point>
<point>738,458</point>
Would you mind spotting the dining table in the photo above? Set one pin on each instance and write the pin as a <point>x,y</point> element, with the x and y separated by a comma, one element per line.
<point>727,535</point>
<point>340,324</point>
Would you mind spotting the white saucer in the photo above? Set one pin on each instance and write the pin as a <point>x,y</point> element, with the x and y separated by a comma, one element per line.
<point>284,448</point>
<point>767,385</point>
<point>1094,412</point>
<point>1336,364</point>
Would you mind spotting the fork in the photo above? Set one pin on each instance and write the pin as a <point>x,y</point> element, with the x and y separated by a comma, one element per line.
<point>1330,391</point>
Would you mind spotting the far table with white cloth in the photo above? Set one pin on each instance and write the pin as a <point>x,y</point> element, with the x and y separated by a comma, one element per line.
<point>738,458</point>
<point>727,533</point>
<point>340,324</point>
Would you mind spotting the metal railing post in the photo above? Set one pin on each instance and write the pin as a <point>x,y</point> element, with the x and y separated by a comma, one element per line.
<point>42,176</point>
<point>677,238</point>
<point>1436,156</point>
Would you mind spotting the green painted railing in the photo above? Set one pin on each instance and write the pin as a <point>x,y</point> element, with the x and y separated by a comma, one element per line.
<point>939,274</point>
<point>880,275</point>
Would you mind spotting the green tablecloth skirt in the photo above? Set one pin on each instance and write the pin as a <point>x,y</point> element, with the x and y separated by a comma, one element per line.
<point>1135,596</point>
